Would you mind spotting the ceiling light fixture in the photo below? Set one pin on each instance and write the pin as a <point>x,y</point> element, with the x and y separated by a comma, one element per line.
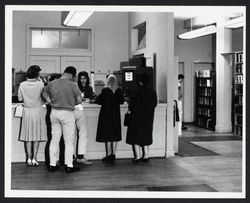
<point>207,30</point>
<point>76,18</point>
<point>235,23</point>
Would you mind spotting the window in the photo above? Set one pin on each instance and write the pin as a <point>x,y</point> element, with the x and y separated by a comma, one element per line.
<point>73,39</point>
<point>141,35</point>
<point>46,38</point>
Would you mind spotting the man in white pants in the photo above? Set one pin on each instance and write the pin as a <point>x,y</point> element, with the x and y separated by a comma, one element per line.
<point>63,94</point>
<point>82,130</point>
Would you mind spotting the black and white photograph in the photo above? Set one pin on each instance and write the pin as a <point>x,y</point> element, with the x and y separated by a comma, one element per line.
<point>125,101</point>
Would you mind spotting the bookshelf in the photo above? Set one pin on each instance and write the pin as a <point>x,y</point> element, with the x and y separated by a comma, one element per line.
<point>205,115</point>
<point>237,92</point>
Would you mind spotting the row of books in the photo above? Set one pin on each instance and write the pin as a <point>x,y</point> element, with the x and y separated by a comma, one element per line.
<point>238,57</point>
<point>238,130</point>
<point>238,99</point>
<point>238,89</point>
<point>204,111</point>
<point>205,101</point>
<point>203,73</point>
<point>208,123</point>
<point>238,110</point>
<point>238,79</point>
<point>205,92</point>
<point>238,120</point>
<point>205,83</point>
<point>238,68</point>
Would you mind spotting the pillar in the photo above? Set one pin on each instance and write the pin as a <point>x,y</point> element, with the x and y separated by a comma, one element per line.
<point>223,78</point>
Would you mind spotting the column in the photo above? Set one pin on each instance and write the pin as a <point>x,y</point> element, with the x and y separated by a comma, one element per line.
<point>223,78</point>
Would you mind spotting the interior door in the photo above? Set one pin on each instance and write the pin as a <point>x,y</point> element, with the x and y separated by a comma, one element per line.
<point>48,64</point>
<point>80,63</point>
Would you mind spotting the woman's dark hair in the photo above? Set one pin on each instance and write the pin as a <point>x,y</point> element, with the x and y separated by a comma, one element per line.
<point>86,75</point>
<point>144,79</point>
<point>33,72</point>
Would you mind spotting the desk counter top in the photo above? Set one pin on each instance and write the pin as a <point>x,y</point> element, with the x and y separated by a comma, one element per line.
<point>96,150</point>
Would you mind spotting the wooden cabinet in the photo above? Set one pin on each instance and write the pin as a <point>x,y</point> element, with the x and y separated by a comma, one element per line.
<point>205,115</point>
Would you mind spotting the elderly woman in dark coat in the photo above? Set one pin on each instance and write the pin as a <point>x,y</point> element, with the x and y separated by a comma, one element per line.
<point>141,106</point>
<point>109,123</point>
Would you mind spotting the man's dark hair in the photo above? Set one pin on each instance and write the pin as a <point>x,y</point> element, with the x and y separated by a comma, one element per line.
<point>33,72</point>
<point>144,79</point>
<point>180,76</point>
<point>71,70</point>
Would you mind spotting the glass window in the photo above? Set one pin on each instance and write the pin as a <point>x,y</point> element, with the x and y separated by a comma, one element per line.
<point>44,38</point>
<point>76,39</point>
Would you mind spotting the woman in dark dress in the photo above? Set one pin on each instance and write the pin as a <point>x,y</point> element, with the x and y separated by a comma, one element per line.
<point>141,106</point>
<point>109,123</point>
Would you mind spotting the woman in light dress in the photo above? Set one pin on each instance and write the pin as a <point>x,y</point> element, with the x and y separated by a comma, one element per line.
<point>33,127</point>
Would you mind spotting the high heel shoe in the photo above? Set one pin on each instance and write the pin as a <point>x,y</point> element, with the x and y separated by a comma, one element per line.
<point>29,162</point>
<point>34,162</point>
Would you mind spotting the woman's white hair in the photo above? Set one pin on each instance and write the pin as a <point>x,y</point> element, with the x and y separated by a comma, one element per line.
<point>111,80</point>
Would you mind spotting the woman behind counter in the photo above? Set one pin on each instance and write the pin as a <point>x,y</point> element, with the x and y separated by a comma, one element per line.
<point>109,123</point>
<point>33,127</point>
<point>141,106</point>
<point>83,84</point>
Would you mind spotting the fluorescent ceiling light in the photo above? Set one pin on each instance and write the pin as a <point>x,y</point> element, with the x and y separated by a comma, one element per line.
<point>198,32</point>
<point>76,18</point>
<point>235,23</point>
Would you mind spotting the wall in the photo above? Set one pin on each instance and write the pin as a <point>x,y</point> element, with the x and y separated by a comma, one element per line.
<point>237,39</point>
<point>110,36</point>
<point>188,51</point>
<point>159,40</point>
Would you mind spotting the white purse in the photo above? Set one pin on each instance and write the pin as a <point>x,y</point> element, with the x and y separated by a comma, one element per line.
<point>19,111</point>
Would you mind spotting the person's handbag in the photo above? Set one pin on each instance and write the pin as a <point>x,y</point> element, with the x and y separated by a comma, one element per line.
<point>18,111</point>
<point>127,118</point>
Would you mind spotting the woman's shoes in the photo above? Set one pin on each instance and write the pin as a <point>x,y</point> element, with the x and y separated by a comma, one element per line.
<point>110,158</point>
<point>144,160</point>
<point>34,162</point>
<point>29,162</point>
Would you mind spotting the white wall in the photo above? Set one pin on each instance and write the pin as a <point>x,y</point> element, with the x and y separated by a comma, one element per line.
<point>188,51</point>
<point>160,40</point>
<point>110,36</point>
<point>237,39</point>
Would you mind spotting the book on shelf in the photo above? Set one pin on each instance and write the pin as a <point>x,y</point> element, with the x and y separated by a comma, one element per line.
<point>203,73</point>
<point>239,79</point>
<point>238,57</point>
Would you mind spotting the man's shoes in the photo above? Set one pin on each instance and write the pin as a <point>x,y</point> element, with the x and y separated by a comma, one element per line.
<point>72,169</point>
<point>136,161</point>
<point>83,161</point>
<point>53,168</point>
